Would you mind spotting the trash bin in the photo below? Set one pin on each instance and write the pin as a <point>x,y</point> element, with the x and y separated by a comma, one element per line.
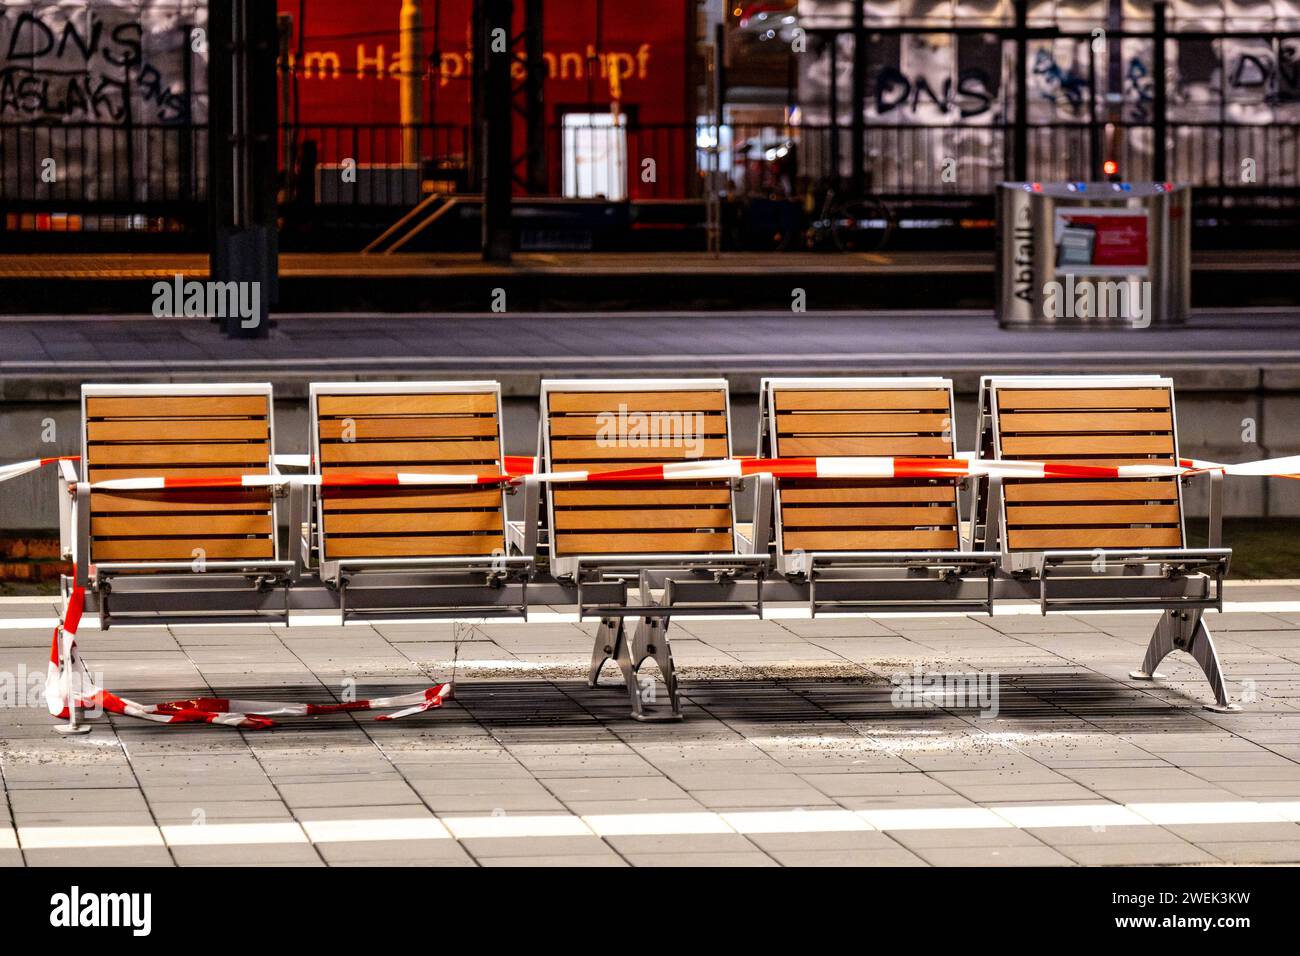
<point>1093,255</point>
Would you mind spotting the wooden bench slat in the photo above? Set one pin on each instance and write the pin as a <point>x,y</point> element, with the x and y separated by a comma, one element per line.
<point>792,493</point>
<point>416,546</point>
<point>128,502</point>
<point>371,428</point>
<point>175,406</point>
<point>179,454</point>
<point>405,456</point>
<point>181,429</point>
<point>593,426</point>
<point>853,423</point>
<point>1119,490</point>
<point>1082,539</point>
<point>869,540</point>
<point>184,523</point>
<point>1063,515</point>
<point>577,450</point>
<point>639,542</point>
<point>179,549</point>
<point>438,468</point>
<point>1069,447</point>
<point>172,471</point>
<point>1099,397</point>
<point>1087,421</point>
<point>701,400</point>
<point>648,496</point>
<point>451,403</point>
<point>862,446</point>
<point>806,517</point>
<point>414,498</point>
<point>376,523</point>
<point>859,399</point>
<point>621,519</point>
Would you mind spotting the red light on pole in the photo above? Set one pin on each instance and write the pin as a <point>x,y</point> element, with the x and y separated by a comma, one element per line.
<point>1110,167</point>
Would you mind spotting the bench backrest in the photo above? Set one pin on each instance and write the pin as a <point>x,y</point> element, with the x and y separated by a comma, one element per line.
<point>608,425</point>
<point>910,417</point>
<point>137,431</point>
<point>412,427</point>
<point>1092,420</point>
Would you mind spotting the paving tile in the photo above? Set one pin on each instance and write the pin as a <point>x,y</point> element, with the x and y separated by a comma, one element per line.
<point>895,856</point>
<point>1255,852</point>
<point>711,860</point>
<point>994,856</point>
<point>1137,854</point>
<point>294,854</point>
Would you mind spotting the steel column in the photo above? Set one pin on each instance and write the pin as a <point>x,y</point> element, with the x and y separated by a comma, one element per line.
<point>493,71</point>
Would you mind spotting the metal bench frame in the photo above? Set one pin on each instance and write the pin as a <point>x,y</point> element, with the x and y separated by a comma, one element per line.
<point>667,584</point>
<point>1181,582</point>
<point>863,581</point>
<point>173,591</point>
<point>434,586</point>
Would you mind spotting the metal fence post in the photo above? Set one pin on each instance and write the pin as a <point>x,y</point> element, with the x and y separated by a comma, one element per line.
<point>1020,150</point>
<point>859,98</point>
<point>1159,124</point>
<point>494,78</point>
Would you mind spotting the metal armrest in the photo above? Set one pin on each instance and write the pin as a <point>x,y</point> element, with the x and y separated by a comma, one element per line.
<point>67,479</point>
<point>762,530</point>
<point>532,515</point>
<point>299,546</point>
<point>81,538</point>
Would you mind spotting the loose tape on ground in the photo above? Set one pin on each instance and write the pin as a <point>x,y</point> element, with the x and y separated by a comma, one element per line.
<point>69,682</point>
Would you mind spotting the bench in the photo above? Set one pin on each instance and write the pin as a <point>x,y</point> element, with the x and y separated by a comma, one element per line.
<point>414,549</point>
<point>1086,543</point>
<point>883,544</point>
<point>676,542</point>
<point>176,554</point>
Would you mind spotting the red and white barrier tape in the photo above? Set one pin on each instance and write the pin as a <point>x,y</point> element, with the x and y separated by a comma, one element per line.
<point>24,467</point>
<point>63,686</point>
<point>517,467</point>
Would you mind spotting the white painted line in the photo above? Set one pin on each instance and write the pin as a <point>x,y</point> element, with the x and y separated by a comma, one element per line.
<point>796,821</point>
<point>64,838</point>
<point>8,839</point>
<point>1081,815</point>
<point>936,818</point>
<point>558,824</point>
<point>656,824</point>
<point>394,829</point>
<point>232,834</point>
<point>543,826</point>
<point>1166,814</point>
<point>91,622</point>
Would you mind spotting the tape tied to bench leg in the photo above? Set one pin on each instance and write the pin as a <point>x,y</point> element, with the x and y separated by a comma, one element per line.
<point>74,683</point>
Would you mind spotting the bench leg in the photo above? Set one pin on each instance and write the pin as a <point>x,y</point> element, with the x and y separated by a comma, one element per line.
<point>650,640</point>
<point>73,682</point>
<point>1185,630</point>
<point>609,641</point>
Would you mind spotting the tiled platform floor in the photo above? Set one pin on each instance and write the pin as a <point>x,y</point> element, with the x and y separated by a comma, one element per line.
<point>792,752</point>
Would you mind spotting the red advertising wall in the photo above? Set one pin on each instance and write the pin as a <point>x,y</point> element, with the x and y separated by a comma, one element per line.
<point>597,52</point>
